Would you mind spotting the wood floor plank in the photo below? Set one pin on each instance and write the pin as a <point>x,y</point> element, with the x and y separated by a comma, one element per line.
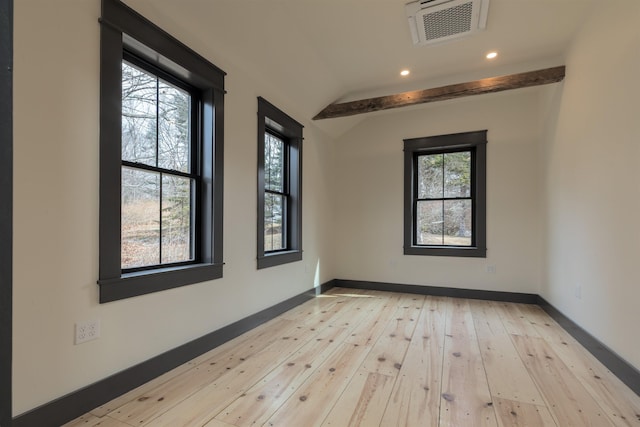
<point>311,308</point>
<point>545,326</point>
<point>326,314</point>
<point>387,355</point>
<point>568,401</point>
<point>466,399</point>
<point>261,401</point>
<point>157,401</point>
<point>324,306</point>
<point>160,400</point>
<point>312,402</point>
<point>513,319</point>
<point>486,319</point>
<point>415,399</point>
<point>290,332</point>
<point>363,402</point>
<point>620,403</point>
<point>519,414</point>
<point>506,374</point>
<point>374,324</point>
<point>138,392</point>
<point>216,423</point>
<point>208,401</point>
<point>92,421</point>
<point>86,420</point>
<point>107,421</point>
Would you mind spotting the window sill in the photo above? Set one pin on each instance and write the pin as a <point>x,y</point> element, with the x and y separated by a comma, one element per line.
<point>145,282</point>
<point>452,251</point>
<point>279,258</point>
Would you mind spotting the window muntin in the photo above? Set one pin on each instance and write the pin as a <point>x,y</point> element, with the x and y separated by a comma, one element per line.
<point>445,195</point>
<point>158,184</point>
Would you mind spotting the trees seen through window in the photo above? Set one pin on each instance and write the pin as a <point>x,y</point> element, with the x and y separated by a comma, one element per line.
<point>445,195</point>
<point>157,181</point>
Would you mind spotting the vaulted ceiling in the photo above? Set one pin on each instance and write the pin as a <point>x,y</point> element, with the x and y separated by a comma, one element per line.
<point>316,52</point>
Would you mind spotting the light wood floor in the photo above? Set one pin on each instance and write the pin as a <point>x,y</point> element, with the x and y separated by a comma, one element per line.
<point>364,358</point>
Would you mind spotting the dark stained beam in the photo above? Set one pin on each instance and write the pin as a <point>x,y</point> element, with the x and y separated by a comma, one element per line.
<point>459,90</point>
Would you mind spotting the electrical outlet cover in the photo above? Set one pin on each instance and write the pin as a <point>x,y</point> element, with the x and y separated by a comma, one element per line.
<point>87,331</point>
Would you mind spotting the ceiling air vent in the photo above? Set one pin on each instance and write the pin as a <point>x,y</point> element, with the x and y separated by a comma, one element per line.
<point>434,21</point>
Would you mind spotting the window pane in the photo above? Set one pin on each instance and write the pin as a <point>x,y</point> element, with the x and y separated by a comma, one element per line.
<point>173,127</point>
<point>457,174</point>
<point>140,218</point>
<point>430,176</point>
<point>273,163</point>
<point>273,222</point>
<point>429,223</point>
<point>457,222</point>
<point>176,219</point>
<point>139,102</point>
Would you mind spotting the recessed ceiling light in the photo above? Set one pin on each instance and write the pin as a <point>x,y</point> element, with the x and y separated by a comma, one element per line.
<point>405,73</point>
<point>492,55</point>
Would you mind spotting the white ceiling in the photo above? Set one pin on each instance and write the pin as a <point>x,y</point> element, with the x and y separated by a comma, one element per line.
<point>315,52</point>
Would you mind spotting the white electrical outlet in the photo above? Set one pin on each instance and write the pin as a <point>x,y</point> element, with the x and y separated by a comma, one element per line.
<point>87,331</point>
<point>491,269</point>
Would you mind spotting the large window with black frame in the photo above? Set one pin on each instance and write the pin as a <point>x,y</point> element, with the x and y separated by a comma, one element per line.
<point>279,187</point>
<point>160,178</point>
<point>445,195</point>
<point>161,159</point>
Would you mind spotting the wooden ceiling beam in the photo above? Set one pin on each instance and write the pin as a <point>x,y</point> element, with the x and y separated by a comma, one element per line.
<point>459,90</point>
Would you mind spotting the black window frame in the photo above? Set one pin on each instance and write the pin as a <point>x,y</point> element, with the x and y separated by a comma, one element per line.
<point>125,34</point>
<point>6,209</point>
<point>285,193</point>
<point>195,172</point>
<point>476,143</point>
<point>274,121</point>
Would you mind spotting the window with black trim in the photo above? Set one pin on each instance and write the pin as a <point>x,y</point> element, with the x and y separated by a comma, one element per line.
<point>445,195</point>
<point>160,173</point>
<point>279,187</point>
<point>161,166</point>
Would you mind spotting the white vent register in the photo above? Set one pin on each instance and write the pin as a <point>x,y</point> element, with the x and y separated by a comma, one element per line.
<point>435,21</point>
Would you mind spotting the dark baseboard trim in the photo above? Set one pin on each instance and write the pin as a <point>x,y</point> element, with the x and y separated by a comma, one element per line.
<point>71,406</point>
<point>617,365</point>
<point>439,291</point>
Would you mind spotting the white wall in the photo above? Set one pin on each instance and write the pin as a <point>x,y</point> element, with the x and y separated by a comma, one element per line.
<point>369,208</point>
<point>56,214</point>
<point>592,190</point>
